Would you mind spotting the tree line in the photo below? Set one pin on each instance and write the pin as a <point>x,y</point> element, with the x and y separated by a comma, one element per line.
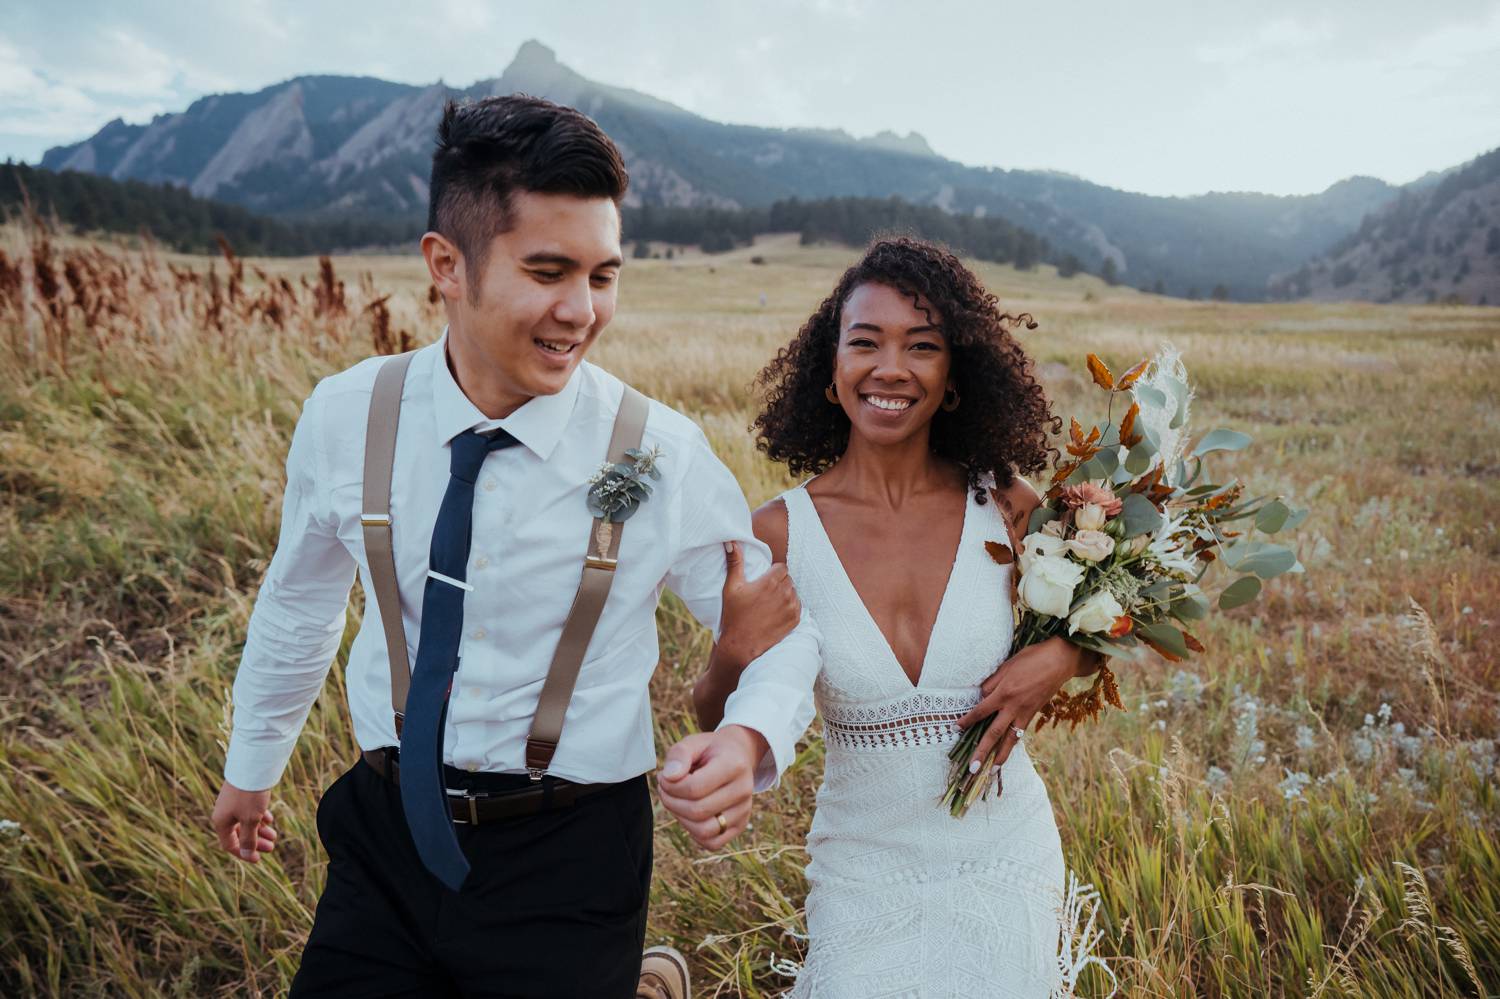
<point>176,218</point>
<point>850,221</point>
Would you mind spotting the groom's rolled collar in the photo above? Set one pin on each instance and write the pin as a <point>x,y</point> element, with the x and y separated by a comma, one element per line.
<point>538,424</point>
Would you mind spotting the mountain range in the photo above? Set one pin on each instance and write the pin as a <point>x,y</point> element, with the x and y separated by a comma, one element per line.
<point>320,145</point>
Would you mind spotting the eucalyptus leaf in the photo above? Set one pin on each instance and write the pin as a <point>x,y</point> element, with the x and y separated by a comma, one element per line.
<point>1197,471</point>
<point>1139,516</point>
<point>1150,397</point>
<point>1272,517</point>
<point>1180,395</point>
<point>1221,440</point>
<point>1189,607</point>
<point>1041,515</point>
<point>1165,636</point>
<point>1268,562</point>
<point>1139,458</point>
<point>1295,520</point>
<point>1122,475</point>
<point>1241,591</point>
<point>1108,460</point>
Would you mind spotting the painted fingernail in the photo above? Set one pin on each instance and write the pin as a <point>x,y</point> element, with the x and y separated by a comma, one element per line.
<point>995,773</point>
<point>973,766</point>
<point>247,854</point>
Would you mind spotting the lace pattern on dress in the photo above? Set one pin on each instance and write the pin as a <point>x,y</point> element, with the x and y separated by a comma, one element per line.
<point>920,719</point>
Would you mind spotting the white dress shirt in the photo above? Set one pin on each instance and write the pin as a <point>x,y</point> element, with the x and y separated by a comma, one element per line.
<point>531,529</point>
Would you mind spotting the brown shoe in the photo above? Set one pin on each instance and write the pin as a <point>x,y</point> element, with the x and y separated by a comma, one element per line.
<point>664,974</point>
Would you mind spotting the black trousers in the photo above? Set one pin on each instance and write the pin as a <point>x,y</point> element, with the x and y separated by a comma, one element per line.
<point>554,906</point>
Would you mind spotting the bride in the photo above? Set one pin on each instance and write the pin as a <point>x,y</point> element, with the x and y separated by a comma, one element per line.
<point>907,399</point>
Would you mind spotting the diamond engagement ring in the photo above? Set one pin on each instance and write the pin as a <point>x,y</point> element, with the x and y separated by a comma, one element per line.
<point>1020,733</point>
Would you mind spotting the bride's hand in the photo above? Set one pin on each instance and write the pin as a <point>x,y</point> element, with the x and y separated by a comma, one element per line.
<point>757,613</point>
<point>1017,690</point>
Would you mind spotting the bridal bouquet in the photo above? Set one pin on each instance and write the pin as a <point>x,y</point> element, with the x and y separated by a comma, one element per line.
<point>1115,557</point>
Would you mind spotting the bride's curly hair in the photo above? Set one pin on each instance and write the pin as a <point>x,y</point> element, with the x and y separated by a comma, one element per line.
<point>1003,420</point>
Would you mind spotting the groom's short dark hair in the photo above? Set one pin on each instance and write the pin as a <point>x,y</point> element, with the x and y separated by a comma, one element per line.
<point>491,148</point>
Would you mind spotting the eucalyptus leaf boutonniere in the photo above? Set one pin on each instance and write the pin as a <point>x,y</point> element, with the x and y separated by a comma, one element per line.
<point>617,490</point>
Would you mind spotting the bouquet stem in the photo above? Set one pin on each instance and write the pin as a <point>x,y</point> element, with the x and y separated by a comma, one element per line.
<point>965,788</point>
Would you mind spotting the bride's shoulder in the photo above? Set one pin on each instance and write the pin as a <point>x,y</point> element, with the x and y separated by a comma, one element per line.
<point>769,522</point>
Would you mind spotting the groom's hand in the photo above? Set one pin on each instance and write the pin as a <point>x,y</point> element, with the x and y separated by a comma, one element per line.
<point>242,821</point>
<point>708,775</point>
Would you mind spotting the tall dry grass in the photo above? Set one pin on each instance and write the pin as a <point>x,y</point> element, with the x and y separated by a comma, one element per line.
<point>1308,809</point>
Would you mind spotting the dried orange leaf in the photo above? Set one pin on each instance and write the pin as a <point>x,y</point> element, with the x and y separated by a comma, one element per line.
<point>1127,423</point>
<point>1094,435</point>
<point>1128,379</point>
<point>1075,431</point>
<point>1100,371</point>
<point>1193,643</point>
<point>999,552</point>
<point>1169,657</point>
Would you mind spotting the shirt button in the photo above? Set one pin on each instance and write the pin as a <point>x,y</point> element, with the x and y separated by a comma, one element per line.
<point>478,633</point>
<point>472,767</point>
<point>472,693</point>
<point>489,484</point>
<point>481,562</point>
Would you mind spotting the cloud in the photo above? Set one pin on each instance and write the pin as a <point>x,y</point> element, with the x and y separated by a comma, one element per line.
<point>1170,98</point>
<point>1278,38</point>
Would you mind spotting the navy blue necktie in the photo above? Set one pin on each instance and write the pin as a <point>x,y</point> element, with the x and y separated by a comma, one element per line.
<point>424,796</point>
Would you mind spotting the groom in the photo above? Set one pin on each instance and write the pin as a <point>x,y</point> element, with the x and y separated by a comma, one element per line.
<point>461,858</point>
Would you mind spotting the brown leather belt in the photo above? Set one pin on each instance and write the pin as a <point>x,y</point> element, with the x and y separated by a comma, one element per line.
<point>479,807</point>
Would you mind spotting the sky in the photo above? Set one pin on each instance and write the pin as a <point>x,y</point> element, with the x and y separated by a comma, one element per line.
<point>1174,98</point>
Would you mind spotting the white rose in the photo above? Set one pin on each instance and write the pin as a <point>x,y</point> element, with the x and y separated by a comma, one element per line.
<point>1137,544</point>
<point>1089,517</point>
<point>1053,528</point>
<point>1097,613</point>
<point>1047,584</point>
<point>1039,544</point>
<point>1092,546</point>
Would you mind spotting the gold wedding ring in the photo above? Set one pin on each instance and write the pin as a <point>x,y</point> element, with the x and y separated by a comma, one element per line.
<point>722,824</point>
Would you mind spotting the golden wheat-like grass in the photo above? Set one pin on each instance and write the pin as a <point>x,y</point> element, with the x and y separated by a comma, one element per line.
<point>1307,809</point>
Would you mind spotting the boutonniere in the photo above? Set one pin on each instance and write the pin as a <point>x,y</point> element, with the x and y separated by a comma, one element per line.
<point>616,490</point>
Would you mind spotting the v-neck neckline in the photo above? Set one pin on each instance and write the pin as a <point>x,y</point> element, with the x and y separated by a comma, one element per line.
<point>937,621</point>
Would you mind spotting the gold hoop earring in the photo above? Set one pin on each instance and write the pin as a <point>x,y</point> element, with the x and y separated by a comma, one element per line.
<point>831,394</point>
<point>950,400</point>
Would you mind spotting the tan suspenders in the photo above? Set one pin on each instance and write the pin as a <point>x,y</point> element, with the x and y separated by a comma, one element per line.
<point>583,617</point>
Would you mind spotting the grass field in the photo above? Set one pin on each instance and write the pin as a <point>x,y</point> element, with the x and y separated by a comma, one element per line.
<point>1310,808</point>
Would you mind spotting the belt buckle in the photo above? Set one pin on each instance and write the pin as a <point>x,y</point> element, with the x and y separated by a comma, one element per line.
<point>472,799</point>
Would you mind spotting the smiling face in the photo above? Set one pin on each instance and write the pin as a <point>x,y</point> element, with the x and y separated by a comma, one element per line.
<point>544,291</point>
<point>892,365</point>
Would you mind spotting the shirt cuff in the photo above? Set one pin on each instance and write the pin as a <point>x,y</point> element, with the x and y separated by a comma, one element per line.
<point>252,767</point>
<point>764,712</point>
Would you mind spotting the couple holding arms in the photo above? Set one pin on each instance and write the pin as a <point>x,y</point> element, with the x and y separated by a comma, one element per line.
<point>495,836</point>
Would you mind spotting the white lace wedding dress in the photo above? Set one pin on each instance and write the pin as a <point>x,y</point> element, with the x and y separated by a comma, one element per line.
<point>904,900</point>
